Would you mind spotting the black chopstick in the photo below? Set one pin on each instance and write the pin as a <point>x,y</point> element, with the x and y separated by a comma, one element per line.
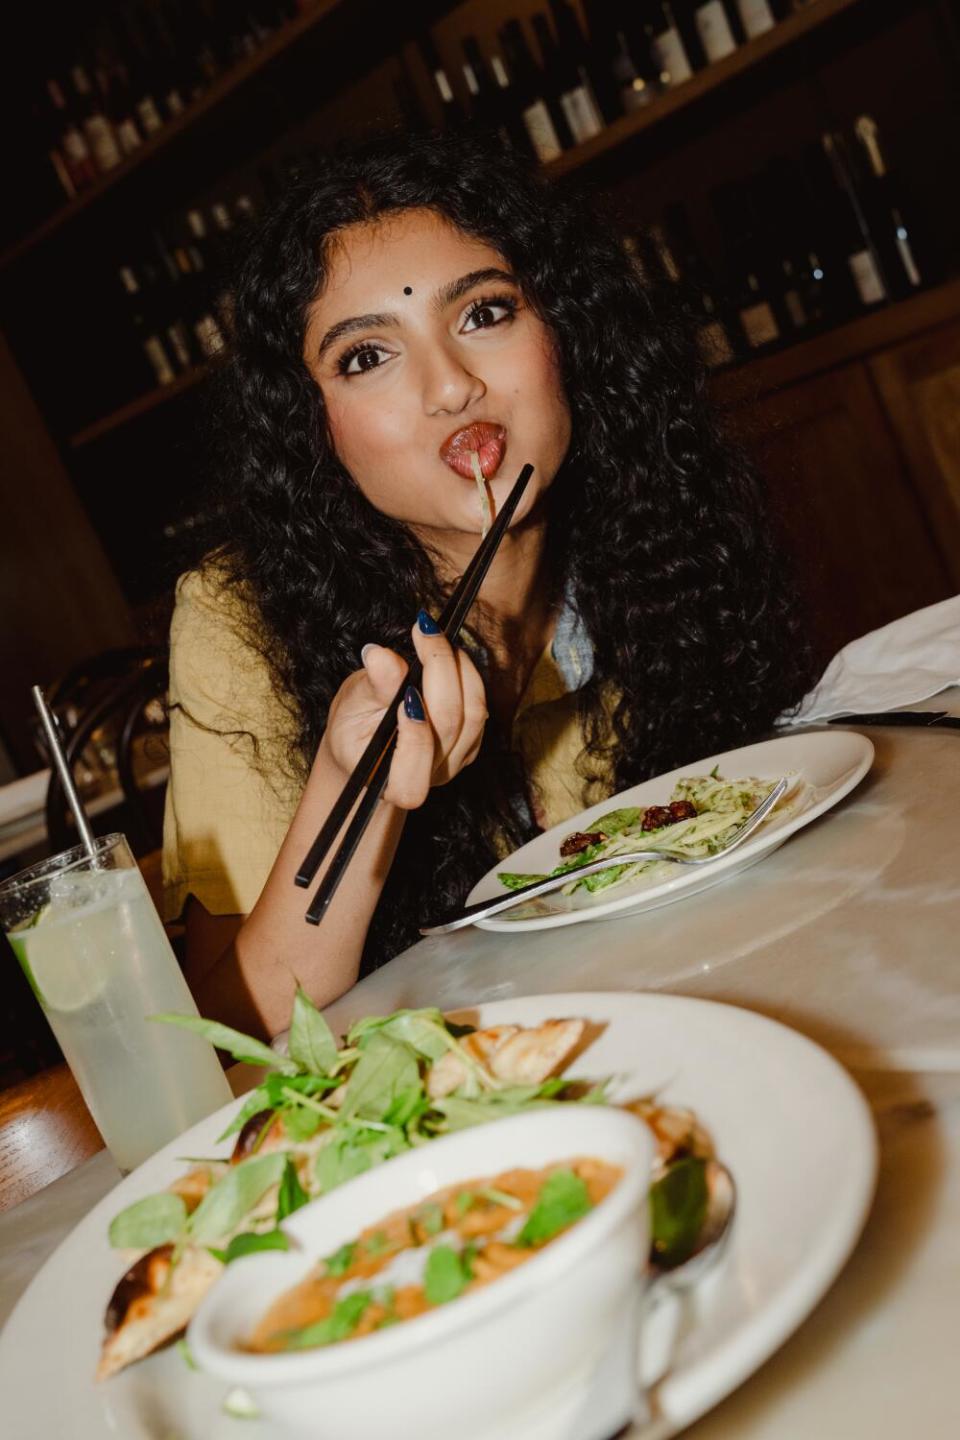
<point>373,766</point>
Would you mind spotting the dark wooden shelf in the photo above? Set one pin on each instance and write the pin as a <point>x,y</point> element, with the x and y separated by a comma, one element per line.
<point>705,82</point>
<point>223,86</point>
<point>141,406</point>
<point>746,58</point>
<point>878,330</point>
<point>874,331</point>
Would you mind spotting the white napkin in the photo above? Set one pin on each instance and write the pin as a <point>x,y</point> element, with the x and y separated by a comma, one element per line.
<point>908,660</point>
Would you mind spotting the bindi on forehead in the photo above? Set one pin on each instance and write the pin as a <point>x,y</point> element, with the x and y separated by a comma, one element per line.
<point>408,289</point>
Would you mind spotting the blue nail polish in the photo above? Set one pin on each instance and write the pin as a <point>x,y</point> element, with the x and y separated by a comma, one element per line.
<point>428,626</point>
<point>412,704</point>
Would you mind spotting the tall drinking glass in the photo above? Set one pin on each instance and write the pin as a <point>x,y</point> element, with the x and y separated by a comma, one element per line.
<point>98,960</point>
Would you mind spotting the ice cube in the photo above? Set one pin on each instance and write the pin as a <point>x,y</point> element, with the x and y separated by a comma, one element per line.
<point>81,889</point>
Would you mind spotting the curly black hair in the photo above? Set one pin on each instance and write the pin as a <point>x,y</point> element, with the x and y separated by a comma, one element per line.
<point>657,529</point>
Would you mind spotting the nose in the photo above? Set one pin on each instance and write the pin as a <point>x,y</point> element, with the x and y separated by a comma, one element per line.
<point>448,386</point>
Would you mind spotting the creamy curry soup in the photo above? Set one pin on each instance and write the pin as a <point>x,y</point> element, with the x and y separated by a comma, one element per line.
<point>451,1243</point>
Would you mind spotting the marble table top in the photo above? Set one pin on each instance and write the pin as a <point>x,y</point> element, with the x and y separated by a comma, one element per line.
<point>851,934</point>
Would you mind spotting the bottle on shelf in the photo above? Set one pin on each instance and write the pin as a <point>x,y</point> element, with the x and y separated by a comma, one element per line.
<point>634,75</point>
<point>68,149</point>
<point>667,47</point>
<point>147,333</point>
<point>538,99</point>
<point>482,89</point>
<point>118,97</point>
<point>563,56</point>
<point>890,214</point>
<point>718,27</point>
<point>849,225</point>
<point>754,292</point>
<point>682,263</point>
<point>601,54</point>
<point>195,259</point>
<point>94,122</point>
<point>759,16</point>
<point>806,275</point>
<point>452,115</point>
<point>143,70</point>
<point>511,117</point>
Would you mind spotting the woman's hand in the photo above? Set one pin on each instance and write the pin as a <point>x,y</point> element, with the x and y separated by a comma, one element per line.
<point>440,727</point>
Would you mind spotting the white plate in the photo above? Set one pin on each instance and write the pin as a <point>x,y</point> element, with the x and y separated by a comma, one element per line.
<point>827,764</point>
<point>786,1118</point>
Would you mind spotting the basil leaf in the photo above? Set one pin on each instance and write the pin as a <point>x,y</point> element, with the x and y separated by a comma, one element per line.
<point>460,1111</point>
<point>233,1197</point>
<point>444,1275</point>
<point>407,1106</point>
<point>311,1042</point>
<point>341,1260</point>
<point>430,1219</point>
<point>148,1222</point>
<point>563,1198</point>
<point>353,1151</point>
<point>292,1194</point>
<point>301,1123</point>
<point>678,1209</point>
<point>249,1243</point>
<point>339,1325</point>
<point>242,1047</point>
<point>386,1069</point>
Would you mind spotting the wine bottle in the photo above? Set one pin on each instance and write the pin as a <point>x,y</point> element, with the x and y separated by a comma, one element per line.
<point>890,214</point>
<point>602,52</point>
<point>756,16</point>
<point>667,45</point>
<point>754,298</point>
<point>68,148</point>
<point>453,117</point>
<point>149,339</point>
<point>511,121</point>
<point>565,59</point>
<point>540,109</point>
<point>806,277</point>
<point>682,263</point>
<point>142,70</point>
<point>637,89</point>
<point>93,120</point>
<point>484,100</point>
<point>118,98</point>
<point>718,27</point>
<point>168,286</point>
<point>852,227</point>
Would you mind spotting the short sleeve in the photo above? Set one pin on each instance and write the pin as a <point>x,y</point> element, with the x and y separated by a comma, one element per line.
<point>231,794</point>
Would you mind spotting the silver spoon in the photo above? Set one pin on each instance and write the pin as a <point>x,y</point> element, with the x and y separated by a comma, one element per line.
<point>482,909</point>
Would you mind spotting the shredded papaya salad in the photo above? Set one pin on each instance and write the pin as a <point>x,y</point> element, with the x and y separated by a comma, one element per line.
<point>699,820</point>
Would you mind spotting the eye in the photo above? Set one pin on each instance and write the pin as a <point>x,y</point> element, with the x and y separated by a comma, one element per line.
<point>484,313</point>
<point>361,359</point>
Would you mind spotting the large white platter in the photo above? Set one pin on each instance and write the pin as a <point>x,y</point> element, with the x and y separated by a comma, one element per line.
<point>786,1118</point>
<point>827,765</point>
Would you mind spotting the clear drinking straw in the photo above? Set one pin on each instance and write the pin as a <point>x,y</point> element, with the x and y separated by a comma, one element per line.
<point>66,777</point>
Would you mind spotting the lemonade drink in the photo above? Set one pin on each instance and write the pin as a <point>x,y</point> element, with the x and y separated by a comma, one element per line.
<point>99,962</point>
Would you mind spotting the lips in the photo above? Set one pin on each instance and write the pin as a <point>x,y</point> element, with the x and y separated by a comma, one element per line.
<point>482,438</point>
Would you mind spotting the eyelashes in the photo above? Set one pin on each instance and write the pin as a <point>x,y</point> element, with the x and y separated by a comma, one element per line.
<point>367,355</point>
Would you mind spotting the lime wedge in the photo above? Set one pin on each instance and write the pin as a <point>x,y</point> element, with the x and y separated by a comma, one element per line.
<point>63,974</point>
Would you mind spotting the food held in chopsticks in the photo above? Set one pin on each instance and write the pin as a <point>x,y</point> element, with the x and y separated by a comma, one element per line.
<point>454,1241</point>
<point>698,820</point>
<point>323,1114</point>
<point>486,514</point>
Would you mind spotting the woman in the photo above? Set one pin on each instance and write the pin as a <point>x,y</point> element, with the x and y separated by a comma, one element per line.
<point>406,307</point>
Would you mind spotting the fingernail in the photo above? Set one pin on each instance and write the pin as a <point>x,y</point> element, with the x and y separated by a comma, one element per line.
<point>428,626</point>
<point>412,704</point>
<point>365,651</point>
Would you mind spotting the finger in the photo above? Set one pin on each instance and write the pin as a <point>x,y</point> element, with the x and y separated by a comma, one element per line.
<point>467,744</point>
<point>440,686</point>
<point>384,670</point>
<point>411,769</point>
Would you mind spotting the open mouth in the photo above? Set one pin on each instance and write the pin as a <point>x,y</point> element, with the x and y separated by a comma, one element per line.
<point>483,439</point>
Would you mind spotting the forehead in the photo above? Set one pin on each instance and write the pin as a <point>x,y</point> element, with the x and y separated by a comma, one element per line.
<point>369,265</point>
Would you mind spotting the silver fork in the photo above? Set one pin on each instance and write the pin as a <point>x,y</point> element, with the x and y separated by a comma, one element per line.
<point>484,908</point>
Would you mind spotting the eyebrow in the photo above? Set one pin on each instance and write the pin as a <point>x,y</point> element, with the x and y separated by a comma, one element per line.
<point>445,296</point>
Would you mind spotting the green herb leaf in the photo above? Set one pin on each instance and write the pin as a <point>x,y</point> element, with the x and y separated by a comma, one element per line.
<point>406,1106</point>
<point>311,1042</point>
<point>464,1201</point>
<point>248,1243</point>
<point>386,1069</point>
<point>292,1194</point>
<point>154,1220</point>
<point>500,1197</point>
<point>339,1325</point>
<point>678,1209</point>
<point>429,1219</point>
<point>444,1275</point>
<point>242,1047</point>
<point>340,1261</point>
<point>563,1198</point>
<point>232,1198</point>
<point>301,1123</point>
<point>255,1102</point>
<point>378,1244</point>
<point>186,1355</point>
<point>352,1150</point>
